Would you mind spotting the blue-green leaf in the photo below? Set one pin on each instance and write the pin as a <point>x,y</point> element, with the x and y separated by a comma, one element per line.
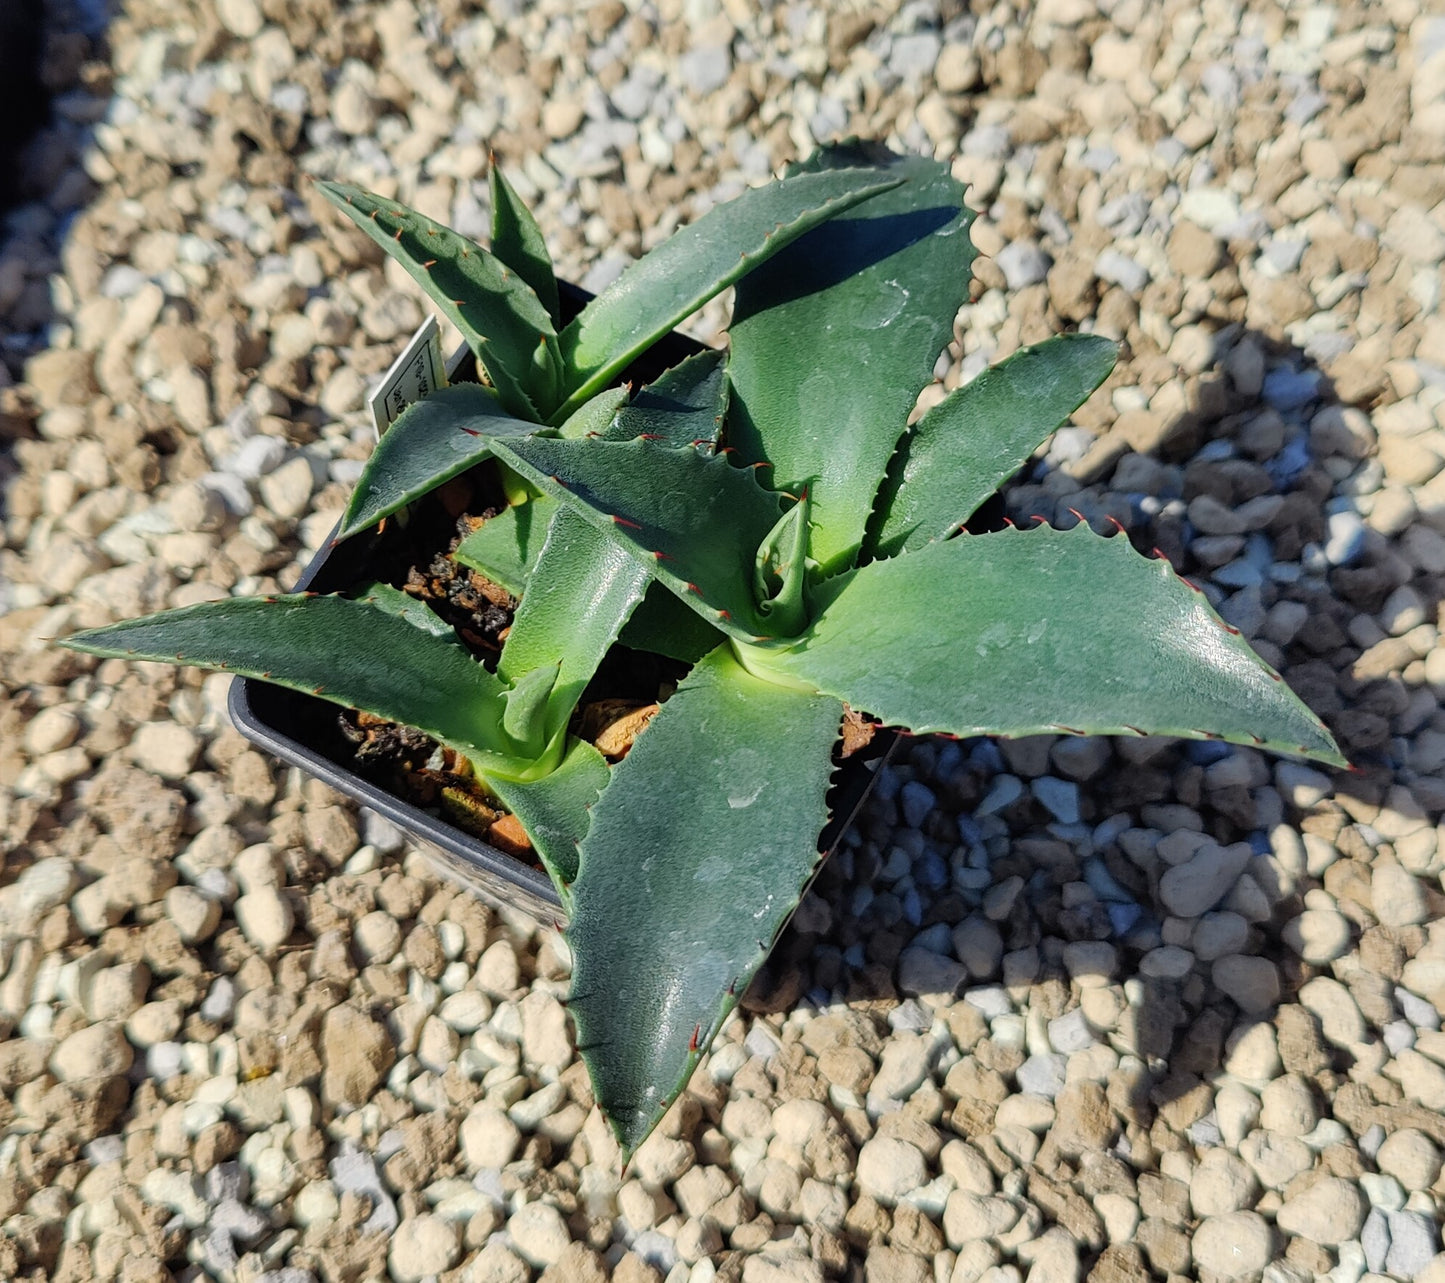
<point>499,315</point>
<point>694,518</point>
<point>518,242</point>
<point>504,548</point>
<point>430,442</point>
<point>833,339</point>
<point>979,435</point>
<point>554,810</point>
<point>659,290</point>
<point>583,589</point>
<point>353,653</point>
<point>1039,631</point>
<point>698,852</point>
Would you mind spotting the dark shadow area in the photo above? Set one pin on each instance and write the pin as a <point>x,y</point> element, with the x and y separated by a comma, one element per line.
<point>23,102</point>
<point>1002,877</point>
<point>54,86</point>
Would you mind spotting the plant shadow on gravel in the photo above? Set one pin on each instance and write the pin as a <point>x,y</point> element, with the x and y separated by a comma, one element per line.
<point>997,896</point>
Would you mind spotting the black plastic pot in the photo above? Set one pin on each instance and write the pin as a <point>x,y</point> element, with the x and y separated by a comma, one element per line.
<point>300,729</point>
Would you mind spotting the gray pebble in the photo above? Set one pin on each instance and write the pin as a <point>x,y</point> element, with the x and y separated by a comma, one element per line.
<point>1121,270</point>
<point>1414,1240</point>
<point>1023,263</point>
<point>1060,797</point>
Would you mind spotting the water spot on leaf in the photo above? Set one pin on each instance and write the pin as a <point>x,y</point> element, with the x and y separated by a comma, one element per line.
<point>993,637</point>
<point>883,307</point>
<point>747,778</point>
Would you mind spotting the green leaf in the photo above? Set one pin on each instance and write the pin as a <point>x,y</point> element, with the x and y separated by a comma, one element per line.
<point>518,242</point>
<point>418,614</point>
<point>1030,632</point>
<point>687,405</point>
<point>698,852</point>
<point>500,317</point>
<point>979,435</point>
<point>505,548</point>
<point>778,570</point>
<point>659,290</point>
<point>597,417</point>
<point>524,707</point>
<point>582,590</point>
<point>352,653</point>
<point>694,518</point>
<point>833,340</point>
<point>431,442</point>
<point>554,809</point>
<point>663,625</point>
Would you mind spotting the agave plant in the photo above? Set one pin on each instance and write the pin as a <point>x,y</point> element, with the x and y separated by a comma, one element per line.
<point>773,519</point>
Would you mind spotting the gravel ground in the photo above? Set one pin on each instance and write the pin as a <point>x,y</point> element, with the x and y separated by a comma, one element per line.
<point>1059,1009</point>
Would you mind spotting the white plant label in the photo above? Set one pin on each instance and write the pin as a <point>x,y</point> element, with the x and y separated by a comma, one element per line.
<point>414,375</point>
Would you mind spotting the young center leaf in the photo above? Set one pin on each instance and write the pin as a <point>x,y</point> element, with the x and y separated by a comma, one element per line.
<point>659,290</point>
<point>832,341</point>
<point>1027,632</point>
<point>697,853</point>
<point>970,443</point>
<point>498,313</point>
<point>355,653</point>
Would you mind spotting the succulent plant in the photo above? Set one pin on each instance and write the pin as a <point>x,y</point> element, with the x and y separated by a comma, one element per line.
<point>773,519</point>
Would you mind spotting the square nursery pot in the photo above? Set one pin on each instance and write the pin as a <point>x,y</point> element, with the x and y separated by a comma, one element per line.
<point>297,728</point>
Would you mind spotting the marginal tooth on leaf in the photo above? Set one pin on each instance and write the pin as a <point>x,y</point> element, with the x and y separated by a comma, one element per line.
<point>1137,731</point>
<point>693,1041</point>
<point>1230,629</point>
<point>1117,524</point>
<point>619,521</point>
<point>1157,554</point>
<point>396,235</point>
<point>429,264</point>
<point>1077,513</point>
<point>723,614</point>
<point>315,690</point>
<point>693,588</point>
<point>1067,730</point>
